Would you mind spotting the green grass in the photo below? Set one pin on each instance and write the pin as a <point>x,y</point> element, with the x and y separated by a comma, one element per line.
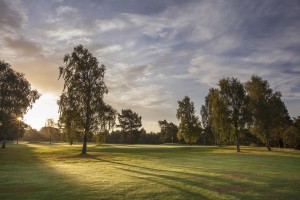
<point>43,171</point>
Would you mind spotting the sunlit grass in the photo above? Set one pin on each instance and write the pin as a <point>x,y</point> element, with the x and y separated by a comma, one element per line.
<point>43,171</point>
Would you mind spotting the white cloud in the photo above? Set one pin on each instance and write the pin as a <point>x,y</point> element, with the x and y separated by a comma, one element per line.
<point>110,25</point>
<point>62,10</point>
<point>67,33</point>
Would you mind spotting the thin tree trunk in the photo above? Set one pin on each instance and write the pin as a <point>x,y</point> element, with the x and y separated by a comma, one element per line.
<point>87,122</point>
<point>4,141</point>
<point>83,152</point>
<point>131,136</point>
<point>268,142</point>
<point>237,141</point>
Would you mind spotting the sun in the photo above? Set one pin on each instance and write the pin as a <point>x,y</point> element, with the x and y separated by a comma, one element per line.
<point>44,108</point>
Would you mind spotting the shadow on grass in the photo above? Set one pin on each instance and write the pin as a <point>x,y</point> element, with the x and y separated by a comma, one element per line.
<point>220,184</point>
<point>25,176</point>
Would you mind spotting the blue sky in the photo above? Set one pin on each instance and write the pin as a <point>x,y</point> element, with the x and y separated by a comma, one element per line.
<point>155,52</point>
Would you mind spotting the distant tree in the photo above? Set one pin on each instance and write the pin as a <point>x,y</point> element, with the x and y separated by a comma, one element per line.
<point>16,97</point>
<point>268,110</point>
<point>83,92</point>
<point>129,122</point>
<point>168,131</point>
<point>50,131</point>
<point>291,135</point>
<point>206,123</point>
<point>234,99</point>
<point>114,137</point>
<point>189,128</point>
<point>149,138</point>
<point>32,135</point>
<point>107,122</point>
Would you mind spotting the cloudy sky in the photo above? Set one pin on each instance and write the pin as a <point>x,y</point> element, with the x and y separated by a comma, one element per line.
<point>155,51</point>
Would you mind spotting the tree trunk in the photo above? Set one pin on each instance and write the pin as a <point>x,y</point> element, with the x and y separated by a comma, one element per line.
<point>268,142</point>
<point>83,152</point>
<point>4,142</point>
<point>131,137</point>
<point>237,141</point>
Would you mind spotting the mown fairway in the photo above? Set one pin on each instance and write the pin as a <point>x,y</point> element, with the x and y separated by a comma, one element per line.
<point>42,171</point>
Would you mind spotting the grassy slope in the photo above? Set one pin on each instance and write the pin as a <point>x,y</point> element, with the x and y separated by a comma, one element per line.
<point>41,171</point>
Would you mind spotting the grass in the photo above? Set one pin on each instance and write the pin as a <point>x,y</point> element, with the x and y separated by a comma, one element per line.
<point>43,171</point>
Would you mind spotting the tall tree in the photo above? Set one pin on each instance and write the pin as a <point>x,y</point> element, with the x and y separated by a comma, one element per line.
<point>235,100</point>
<point>16,97</point>
<point>189,127</point>
<point>168,131</point>
<point>268,110</point>
<point>291,135</point>
<point>129,122</point>
<point>83,92</point>
<point>208,136</point>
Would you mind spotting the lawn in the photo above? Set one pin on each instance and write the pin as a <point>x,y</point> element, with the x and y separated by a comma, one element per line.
<point>57,171</point>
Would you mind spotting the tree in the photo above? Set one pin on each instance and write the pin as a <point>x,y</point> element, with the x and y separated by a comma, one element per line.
<point>218,117</point>
<point>168,131</point>
<point>207,133</point>
<point>32,135</point>
<point>16,97</point>
<point>291,135</point>
<point>70,122</point>
<point>50,132</point>
<point>189,127</point>
<point>268,110</point>
<point>129,122</point>
<point>107,122</point>
<point>83,92</point>
<point>233,96</point>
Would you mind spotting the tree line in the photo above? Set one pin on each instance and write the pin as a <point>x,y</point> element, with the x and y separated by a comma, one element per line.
<point>234,113</point>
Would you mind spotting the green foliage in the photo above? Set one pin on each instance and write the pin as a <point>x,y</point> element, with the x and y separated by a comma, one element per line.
<point>81,103</point>
<point>269,114</point>
<point>101,137</point>
<point>50,134</point>
<point>129,122</point>
<point>228,108</point>
<point>218,118</point>
<point>16,97</point>
<point>291,135</point>
<point>189,127</point>
<point>32,135</point>
<point>168,131</point>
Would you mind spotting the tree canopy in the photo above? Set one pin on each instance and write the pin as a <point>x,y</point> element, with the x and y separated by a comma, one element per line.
<point>16,97</point>
<point>129,122</point>
<point>83,92</point>
<point>168,131</point>
<point>267,108</point>
<point>189,128</point>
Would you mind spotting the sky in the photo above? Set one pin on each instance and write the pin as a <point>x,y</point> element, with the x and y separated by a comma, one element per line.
<point>155,51</point>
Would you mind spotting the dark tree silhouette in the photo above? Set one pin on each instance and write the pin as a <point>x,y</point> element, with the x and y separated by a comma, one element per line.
<point>83,92</point>
<point>16,97</point>
<point>129,122</point>
<point>168,131</point>
<point>268,111</point>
